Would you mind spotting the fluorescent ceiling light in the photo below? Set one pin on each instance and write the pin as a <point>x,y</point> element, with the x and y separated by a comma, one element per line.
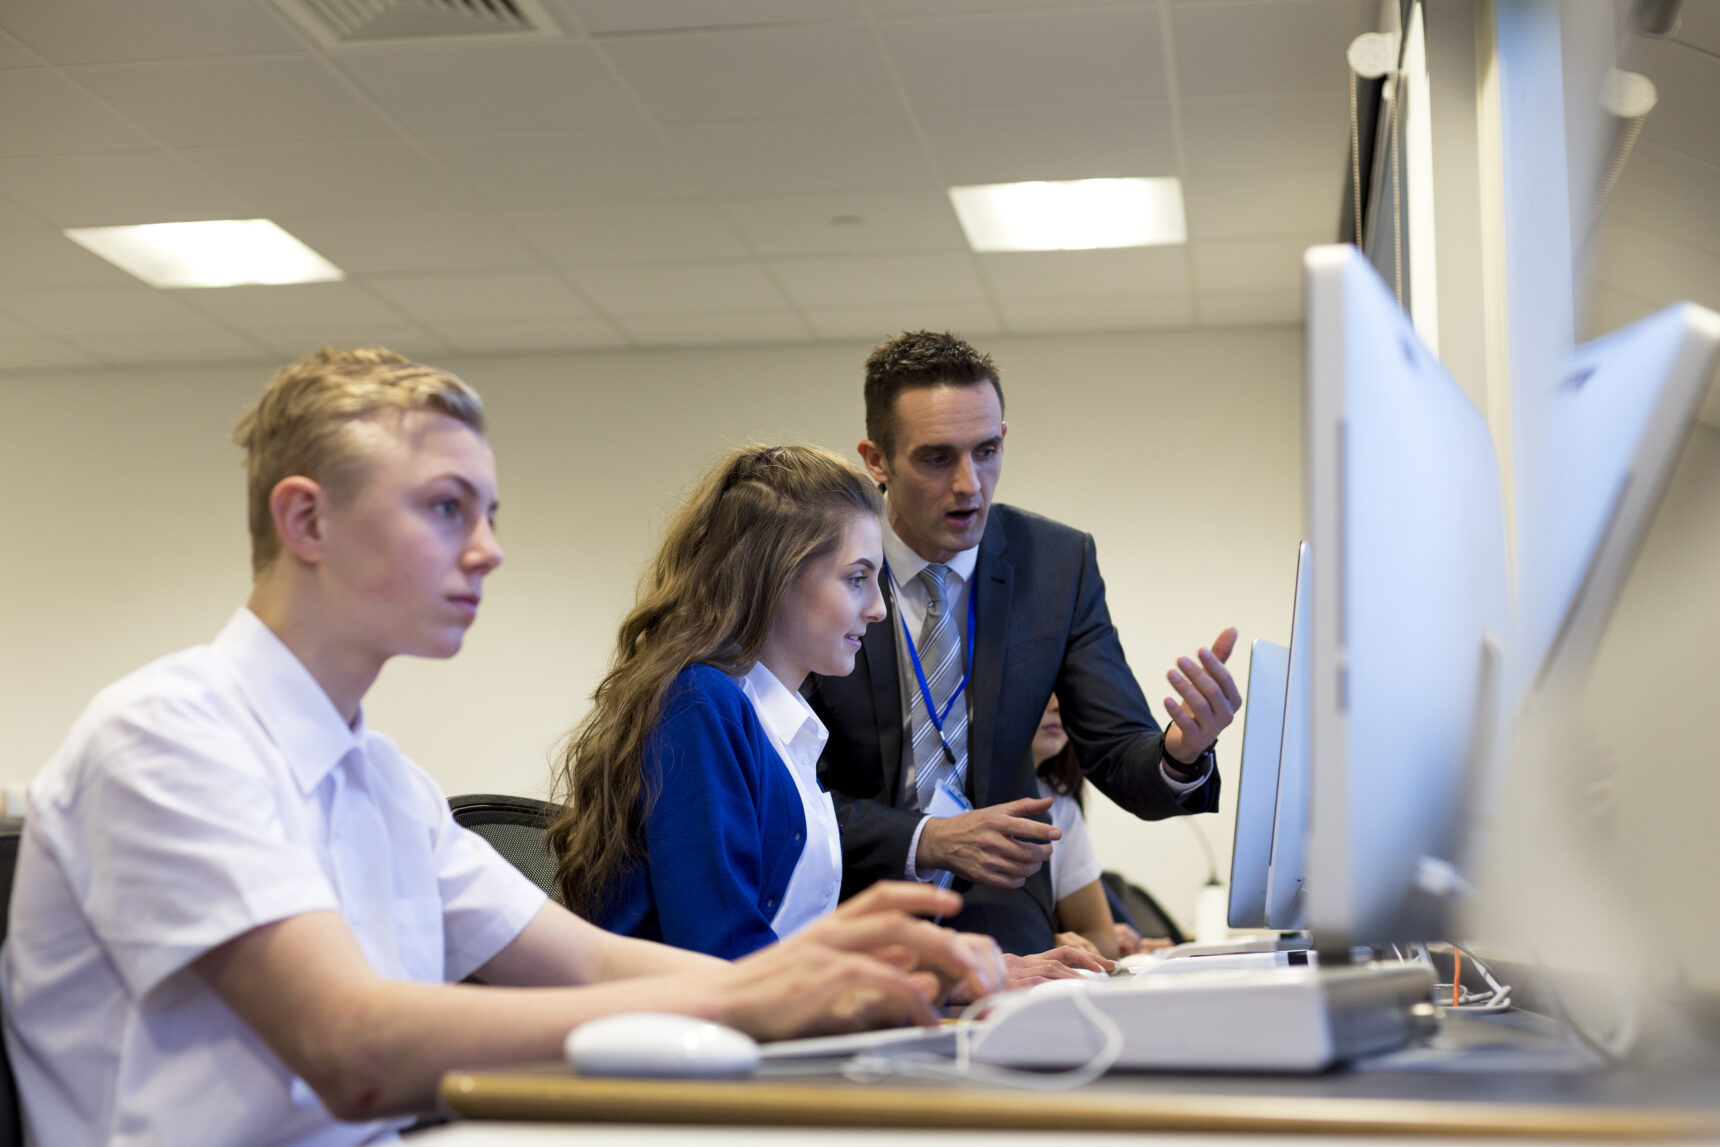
<point>1074,215</point>
<point>215,253</point>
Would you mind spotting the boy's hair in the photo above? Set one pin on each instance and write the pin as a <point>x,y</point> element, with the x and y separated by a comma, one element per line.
<point>299,426</point>
<point>919,359</point>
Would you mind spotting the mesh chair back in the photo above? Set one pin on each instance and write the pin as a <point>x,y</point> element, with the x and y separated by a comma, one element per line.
<point>11,1129</point>
<point>517,828</point>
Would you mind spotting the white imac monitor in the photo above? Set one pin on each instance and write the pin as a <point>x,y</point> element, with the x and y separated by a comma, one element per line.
<point>1410,613</point>
<point>1286,865</point>
<point>1610,859</point>
<point>1594,470</point>
<point>1257,784</point>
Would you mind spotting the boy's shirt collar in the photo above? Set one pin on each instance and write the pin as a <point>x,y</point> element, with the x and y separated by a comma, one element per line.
<point>288,702</point>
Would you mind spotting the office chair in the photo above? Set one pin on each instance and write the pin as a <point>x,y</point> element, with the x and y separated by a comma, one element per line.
<point>1139,909</point>
<point>11,1125</point>
<point>516,827</point>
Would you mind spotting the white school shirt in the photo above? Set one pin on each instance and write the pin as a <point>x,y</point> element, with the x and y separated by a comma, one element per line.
<point>1074,861</point>
<point>911,601</point>
<point>213,791</point>
<point>798,737</point>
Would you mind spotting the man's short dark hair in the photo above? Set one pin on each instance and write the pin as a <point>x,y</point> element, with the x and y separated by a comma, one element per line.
<point>919,359</point>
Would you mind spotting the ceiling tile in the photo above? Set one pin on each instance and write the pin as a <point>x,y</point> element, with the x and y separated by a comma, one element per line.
<point>11,215</point>
<point>1265,203</point>
<point>185,346</point>
<point>116,187</point>
<point>1687,82</point>
<point>1248,308</point>
<point>783,157</point>
<point>39,352</point>
<point>839,222</point>
<point>1029,59</point>
<point>689,289</point>
<point>1657,267</point>
<point>622,163</point>
<point>1699,26</point>
<point>875,324</point>
<point>87,31</point>
<point>1250,264</point>
<point>611,16</point>
<point>292,342</point>
<point>101,310</point>
<point>42,257</point>
<point>1608,308</point>
<point>809,70</point>
<point>1274,46</point>
<point>1071,141</point>
<point>13,54</point>
<point>628,232</point>
<point>210,103</point>
<point>896,8</point>
<point>497,295</point>
<point>1019,275</point>
<point>305,177</point>
<point>13,329</point>
<point>531,334</point>
<point>717,329</point>
<point>1113,313</point>
<point>880,280</point>
<point>1671,192</point>
<point>1298,132</point>
<point>255,309</point>
<point>501,87</point>
<point>42,113</point>
<point>422,240</point>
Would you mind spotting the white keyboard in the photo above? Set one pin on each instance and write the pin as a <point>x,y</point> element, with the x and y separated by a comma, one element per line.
<point>1300,1019</point>
<point>940,1040</point>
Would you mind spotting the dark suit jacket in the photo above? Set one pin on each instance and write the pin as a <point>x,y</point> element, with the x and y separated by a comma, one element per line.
<point>1042,626</point>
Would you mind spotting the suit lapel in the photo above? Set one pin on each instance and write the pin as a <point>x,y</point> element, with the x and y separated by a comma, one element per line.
<point>994,582</point>
<point>879,648</point>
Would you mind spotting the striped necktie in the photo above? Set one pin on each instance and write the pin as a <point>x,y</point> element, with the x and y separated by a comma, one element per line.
<point>940,649</point>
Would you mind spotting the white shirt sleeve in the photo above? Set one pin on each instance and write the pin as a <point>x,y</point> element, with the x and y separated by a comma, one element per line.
<point>172,840</point>
<point>1075,862</point>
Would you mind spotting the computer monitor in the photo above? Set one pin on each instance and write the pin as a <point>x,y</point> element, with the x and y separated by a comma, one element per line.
<point>1257,783</point>
<point>1286,866</point>
<point>1410,613</point>
<point>1605,850</point>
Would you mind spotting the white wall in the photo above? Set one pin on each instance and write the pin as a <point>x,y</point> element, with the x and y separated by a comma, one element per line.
<point>1180,451</point>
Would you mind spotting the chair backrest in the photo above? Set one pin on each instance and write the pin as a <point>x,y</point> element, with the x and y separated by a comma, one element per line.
<point>517,827</point>
<point>11,1129</point>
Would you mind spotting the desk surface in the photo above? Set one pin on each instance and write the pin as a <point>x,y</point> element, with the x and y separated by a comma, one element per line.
<point>1345,1103</point>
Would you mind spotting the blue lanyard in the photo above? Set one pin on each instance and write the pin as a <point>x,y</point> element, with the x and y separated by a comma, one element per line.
<point>938,716</point>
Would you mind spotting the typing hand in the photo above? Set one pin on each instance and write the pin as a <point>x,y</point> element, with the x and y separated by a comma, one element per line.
<point>1209,703</point>
<point>1059,963</point>
<point>995,845</point>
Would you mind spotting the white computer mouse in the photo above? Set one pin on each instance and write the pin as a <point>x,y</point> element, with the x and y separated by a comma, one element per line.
<point>660,1044</point>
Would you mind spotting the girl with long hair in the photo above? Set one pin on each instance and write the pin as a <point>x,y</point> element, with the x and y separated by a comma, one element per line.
<point>1082,914</point>
<point>692,809</point>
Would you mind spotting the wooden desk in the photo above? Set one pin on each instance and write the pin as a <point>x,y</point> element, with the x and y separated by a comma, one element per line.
<point>1113,1104</point>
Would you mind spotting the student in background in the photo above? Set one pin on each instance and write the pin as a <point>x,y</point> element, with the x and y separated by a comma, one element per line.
<point>694,815</point>
<point>1083,915</point>
<point>236,905</point>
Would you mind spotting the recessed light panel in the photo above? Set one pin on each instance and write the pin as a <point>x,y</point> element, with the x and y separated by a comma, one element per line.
<point>1072,215</point>
<point>214,253</point>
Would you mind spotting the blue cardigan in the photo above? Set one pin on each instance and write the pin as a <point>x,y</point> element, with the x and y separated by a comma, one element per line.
<point>726,829</point>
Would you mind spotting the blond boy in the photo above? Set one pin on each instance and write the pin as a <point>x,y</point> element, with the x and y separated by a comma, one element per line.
<point>238,909</point>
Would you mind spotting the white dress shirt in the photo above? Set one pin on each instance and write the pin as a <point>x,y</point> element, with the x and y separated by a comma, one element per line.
<point>798,737</point>
<point>1074,861</point>
<point>910,595</point>
<point>211,792</point>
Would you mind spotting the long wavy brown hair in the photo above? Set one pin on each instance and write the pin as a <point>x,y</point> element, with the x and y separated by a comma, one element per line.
<point>711,596</point>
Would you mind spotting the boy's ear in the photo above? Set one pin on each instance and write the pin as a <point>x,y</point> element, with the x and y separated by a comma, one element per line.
<point>297,504</point>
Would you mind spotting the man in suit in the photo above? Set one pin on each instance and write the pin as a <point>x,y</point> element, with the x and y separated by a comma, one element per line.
<point>992,609</point>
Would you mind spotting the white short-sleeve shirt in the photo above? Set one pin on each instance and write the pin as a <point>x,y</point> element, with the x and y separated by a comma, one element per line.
<point>213,791</point>
<point>1074,861</point>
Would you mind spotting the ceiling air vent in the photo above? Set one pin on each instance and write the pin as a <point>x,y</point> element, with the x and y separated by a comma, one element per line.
<point>356,23</point>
